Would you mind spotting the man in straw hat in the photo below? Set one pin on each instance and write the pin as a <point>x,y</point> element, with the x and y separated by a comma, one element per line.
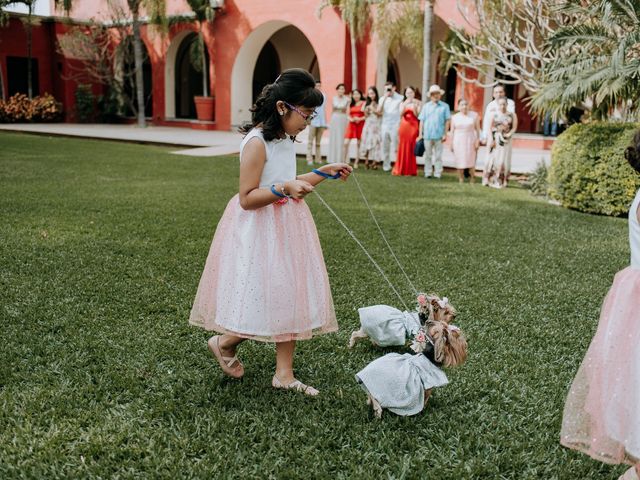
<point>434,117</point>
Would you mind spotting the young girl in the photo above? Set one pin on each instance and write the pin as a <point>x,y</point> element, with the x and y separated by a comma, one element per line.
<point>265,277</point>
<point>602,412</point>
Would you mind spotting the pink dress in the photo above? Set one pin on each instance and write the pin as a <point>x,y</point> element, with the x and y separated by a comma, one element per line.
<point>464,139</point>
<point>265,276</point>
<point>602,412</point>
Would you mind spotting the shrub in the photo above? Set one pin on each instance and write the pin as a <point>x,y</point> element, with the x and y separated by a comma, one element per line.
<point>537,181</point>
<point>19,108</point>
<point>588,170</point>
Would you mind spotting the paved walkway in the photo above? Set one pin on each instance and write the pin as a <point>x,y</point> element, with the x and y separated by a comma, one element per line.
<point>213,142</point>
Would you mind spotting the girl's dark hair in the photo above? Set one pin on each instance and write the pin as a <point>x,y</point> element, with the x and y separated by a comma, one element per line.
<point>632,152</point>
<point>340,85</point>
<point>375,90</point>
<point>353,102</point>
<point>294,86</point>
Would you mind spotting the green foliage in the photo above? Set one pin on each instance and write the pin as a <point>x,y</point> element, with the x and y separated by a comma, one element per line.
<point>19,108</point>
<point>599,58</point>
<point>103,244</point>
<point>588,169</point>
<point>85,104</point>
<point>537,181</point>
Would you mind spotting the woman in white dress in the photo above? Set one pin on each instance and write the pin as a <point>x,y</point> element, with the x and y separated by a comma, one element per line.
<point>338,124</point>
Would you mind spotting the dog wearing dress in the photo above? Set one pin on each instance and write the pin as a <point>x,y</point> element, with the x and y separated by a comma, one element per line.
<point>403,383</point>
<point>387,326</point>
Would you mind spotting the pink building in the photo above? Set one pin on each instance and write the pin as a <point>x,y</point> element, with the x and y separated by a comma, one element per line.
<point>248,44</point>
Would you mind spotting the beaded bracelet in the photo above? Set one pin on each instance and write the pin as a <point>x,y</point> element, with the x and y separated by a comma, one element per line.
<point>326,175</point>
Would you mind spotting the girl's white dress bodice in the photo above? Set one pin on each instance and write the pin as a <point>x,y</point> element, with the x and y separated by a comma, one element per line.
<point>280,165</point>
<point>634,232</point>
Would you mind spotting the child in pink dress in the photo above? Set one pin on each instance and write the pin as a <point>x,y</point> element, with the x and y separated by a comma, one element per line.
<point>265,277</point>
<point>602,412</point>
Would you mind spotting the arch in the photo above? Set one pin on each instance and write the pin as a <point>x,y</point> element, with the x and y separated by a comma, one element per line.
<point>170,73</point>
<point>188,80</point>
<point>293,49</point>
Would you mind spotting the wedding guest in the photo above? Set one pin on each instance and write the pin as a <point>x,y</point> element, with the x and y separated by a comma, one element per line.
<point>355,126</point>
<point>503,126</point>
<point>316,128</point>
<point>370,149</point>
<point>390,109</point>
<point>486,136</point>
<point>338,124</point>
<point>407,134</point>
<point>465,140</point>
<point>434,117</point>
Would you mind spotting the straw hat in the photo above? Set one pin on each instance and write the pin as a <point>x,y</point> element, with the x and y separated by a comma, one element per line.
<point>435,89</point>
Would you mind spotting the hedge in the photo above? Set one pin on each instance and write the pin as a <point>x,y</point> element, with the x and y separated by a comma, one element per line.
<point>19,108</point>
<point>588,170</point>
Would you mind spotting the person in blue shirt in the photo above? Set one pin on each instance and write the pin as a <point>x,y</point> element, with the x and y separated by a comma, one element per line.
<point>434,117</point>
<point>316,129</point>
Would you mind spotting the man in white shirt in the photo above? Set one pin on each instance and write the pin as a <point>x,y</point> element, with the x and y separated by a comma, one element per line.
<point>390,109</point>
<point>491,109</point>
<point>487,134</point>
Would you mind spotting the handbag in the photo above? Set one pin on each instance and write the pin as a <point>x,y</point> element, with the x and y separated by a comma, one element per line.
<point>418,151</point>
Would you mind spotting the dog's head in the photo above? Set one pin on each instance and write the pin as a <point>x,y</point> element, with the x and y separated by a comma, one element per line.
<point>449,343</point>
<point>433,308</point>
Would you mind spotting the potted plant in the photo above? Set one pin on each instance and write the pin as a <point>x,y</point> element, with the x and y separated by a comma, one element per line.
<point>205,11</point>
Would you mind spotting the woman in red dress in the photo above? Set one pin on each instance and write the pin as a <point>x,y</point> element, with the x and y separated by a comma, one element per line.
<point>407,135</point>
<point>355,126</point>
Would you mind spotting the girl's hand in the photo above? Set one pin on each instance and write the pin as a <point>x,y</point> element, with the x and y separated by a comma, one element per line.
<point>334,168</point>
<point>298,188</point>
<point>476,144</point>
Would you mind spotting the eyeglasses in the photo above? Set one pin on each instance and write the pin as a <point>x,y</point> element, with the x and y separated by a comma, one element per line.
<point>308,117</point>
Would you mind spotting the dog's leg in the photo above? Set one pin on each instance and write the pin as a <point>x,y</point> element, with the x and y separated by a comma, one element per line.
<point>355,336</point>
<point>427,394</point>
<point>377,409</point>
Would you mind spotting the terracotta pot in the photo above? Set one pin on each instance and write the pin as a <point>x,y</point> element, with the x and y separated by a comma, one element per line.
<point>205,108</point>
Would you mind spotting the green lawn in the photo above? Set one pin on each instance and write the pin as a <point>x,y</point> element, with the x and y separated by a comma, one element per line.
<point>102,245</point>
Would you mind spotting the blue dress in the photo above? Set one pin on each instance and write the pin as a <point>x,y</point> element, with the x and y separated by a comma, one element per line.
<point>398,382</point>
<point>387,326</point>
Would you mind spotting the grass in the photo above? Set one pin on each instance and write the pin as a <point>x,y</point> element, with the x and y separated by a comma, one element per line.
<point>102,245</point>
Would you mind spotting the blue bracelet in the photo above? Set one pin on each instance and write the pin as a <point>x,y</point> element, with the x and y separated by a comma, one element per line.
<point>276,192</point>
<point>326,175</point>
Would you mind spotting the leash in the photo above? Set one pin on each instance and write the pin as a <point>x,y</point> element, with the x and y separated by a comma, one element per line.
<point>359,243</point>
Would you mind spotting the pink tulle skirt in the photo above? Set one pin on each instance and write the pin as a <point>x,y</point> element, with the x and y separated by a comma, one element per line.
<point>602,412</point>
<point>265,276</point>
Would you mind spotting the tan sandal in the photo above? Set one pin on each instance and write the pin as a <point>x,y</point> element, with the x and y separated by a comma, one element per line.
<point>296,385</point>
<point>226,363</point>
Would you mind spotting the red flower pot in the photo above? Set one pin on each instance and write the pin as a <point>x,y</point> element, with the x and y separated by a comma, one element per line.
<point>205,108</point>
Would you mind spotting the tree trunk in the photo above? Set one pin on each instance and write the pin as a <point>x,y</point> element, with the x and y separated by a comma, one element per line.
<point>354,60</point>
<point>205,83</point>
<point>381,62</point>
<point>3,95</point>
<point>426,59</point>
<point>29,67</point>
<point>137,55</point>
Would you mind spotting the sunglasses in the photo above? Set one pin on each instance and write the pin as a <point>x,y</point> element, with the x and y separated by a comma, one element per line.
<point>307,117</point>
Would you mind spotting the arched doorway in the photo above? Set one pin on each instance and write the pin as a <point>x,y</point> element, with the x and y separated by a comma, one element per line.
<point>129,79</point>
<point>188,80</point>
<point>393,75</point>
<point>451,82</point>
<point>271,48</point>
<point>266,70</point>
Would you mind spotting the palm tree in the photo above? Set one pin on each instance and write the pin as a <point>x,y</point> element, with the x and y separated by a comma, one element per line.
<point>599,59</point>
<point>356,14</point>
<point>426,48</point>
